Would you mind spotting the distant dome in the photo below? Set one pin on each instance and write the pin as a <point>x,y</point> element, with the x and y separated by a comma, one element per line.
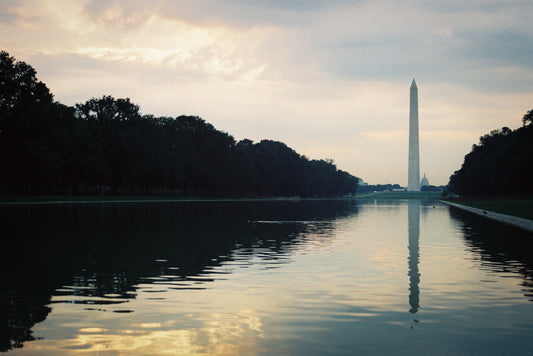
<point>424,182</point>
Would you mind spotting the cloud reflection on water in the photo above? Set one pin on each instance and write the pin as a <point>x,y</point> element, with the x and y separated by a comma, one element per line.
<point>220,334</point>
<point>213,285</point>
<point>103,256</point>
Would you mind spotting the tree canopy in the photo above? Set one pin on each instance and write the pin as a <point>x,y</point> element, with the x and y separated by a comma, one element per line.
<point>105,145</point>
<point>528,118</point>
<point>501,164</point>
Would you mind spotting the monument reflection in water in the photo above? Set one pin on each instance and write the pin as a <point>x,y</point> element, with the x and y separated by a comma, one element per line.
<point>413,219</point>
<point>262,278</point>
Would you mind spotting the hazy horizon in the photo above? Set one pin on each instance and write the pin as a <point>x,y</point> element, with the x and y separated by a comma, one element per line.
<point>329,79</point>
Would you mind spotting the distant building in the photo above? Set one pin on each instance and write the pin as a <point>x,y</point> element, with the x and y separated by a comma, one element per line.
<point>424,182</point>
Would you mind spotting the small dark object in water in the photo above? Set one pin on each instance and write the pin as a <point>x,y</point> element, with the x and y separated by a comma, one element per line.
<point>484,212</point>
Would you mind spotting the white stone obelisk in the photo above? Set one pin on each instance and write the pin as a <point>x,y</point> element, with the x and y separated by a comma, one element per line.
<point>413,179</point>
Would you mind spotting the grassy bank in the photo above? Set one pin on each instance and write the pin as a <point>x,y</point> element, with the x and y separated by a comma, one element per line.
<point>25,199</point>
<point>522,208</point>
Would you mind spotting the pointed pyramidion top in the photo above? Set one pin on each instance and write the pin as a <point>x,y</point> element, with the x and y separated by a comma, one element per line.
<point>413,84</point>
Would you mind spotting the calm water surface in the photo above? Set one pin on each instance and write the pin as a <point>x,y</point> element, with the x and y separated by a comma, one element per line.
<point>262,278</point>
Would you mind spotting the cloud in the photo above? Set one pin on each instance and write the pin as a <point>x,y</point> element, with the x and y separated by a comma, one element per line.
<point>329,78</point>
<point>389,40</point>
<point>246,14</point>
<point>503,48</point>
<point>124,15</point>
<point>378,40</point>
<point>118,32</point>
<point>7,15</point>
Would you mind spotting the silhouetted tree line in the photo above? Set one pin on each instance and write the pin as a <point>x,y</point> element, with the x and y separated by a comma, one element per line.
<point>432,188</point>
<point>501,164</point>
<point>377,188</point>
<point>106,146</point>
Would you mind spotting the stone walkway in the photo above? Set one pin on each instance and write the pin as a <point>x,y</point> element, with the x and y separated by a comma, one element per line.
<point>522,223</point>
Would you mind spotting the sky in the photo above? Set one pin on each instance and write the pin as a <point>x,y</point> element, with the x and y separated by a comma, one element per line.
<point>328,78</point>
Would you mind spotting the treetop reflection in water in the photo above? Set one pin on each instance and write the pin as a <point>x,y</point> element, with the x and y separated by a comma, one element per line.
<point>498,247</point>
<point>321,277</point>
<point>98,254</point>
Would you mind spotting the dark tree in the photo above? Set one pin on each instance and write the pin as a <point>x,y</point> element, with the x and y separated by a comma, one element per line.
<point>34,132</point>
<point>528,118</point>
<point>501,164</point>
<point>105,145</point>
<point>106,118</point>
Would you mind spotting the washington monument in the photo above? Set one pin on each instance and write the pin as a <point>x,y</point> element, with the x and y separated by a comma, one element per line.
<point>413,179</point>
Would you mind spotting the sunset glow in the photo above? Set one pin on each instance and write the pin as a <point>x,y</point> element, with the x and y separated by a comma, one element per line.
<point>330,79</point>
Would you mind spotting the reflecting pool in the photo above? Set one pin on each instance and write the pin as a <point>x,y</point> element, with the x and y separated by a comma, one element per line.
<point>262,278</point>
